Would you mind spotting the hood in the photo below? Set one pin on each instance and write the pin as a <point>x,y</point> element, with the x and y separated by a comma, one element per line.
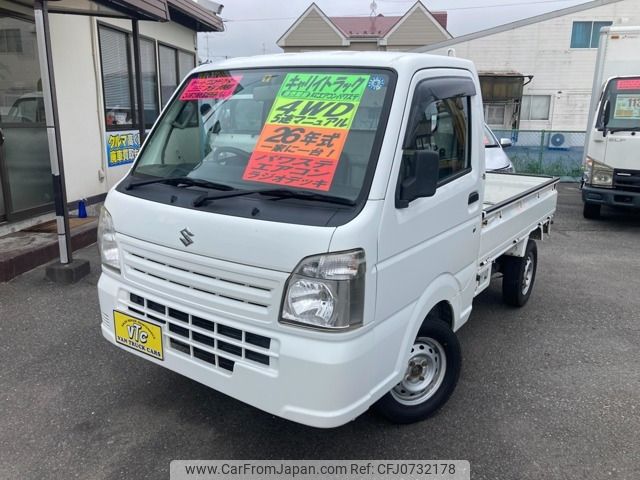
<point>621,151</point>
<point>264,244</point>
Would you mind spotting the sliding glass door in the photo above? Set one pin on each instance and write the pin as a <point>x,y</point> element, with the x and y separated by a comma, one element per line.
<point>25,171</point>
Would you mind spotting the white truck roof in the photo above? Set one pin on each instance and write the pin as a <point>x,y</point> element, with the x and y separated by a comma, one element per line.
<point>402,62</point>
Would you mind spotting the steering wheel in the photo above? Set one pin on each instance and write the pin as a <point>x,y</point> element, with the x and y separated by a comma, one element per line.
<point>238,154</point>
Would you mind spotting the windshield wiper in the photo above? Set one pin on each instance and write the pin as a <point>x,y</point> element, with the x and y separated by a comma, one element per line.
<point>320,197</point>
<point>624,129</point>
<point>188,181</point>
<point>277,192</point>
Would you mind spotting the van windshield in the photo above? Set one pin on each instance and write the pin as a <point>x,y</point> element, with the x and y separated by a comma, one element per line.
<point>623,95</point>
<point>309,129</point>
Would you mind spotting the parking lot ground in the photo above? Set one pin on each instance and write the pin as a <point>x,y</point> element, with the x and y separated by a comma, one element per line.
<point>549,391</point>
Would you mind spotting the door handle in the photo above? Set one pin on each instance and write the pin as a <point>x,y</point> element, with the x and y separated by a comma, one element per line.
<point>473,197</point>
<point>1,137</point>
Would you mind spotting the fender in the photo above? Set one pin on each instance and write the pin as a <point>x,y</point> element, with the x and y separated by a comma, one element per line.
<point>443,288</point>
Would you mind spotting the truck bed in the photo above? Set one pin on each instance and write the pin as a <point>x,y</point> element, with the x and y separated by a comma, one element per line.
<point>515,205</point>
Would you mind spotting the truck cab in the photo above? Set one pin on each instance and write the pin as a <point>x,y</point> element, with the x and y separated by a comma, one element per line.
<point>612,166</point>
<point>307,232</point>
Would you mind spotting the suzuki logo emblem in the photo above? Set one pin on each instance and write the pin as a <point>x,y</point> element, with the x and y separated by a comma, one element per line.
<point>185,237</point>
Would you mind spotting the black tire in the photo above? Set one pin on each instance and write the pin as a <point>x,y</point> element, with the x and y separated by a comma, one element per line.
<point>591,211</point>
<point>514,269</point>
<point>394,409</point>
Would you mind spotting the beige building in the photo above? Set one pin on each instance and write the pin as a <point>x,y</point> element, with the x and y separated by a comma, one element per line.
<point>314,30</point>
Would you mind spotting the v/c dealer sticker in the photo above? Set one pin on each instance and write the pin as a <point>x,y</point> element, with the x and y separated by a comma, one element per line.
<point>138,334</point>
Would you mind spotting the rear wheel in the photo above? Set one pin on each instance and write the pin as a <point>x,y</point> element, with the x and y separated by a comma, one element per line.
<point>430,377</point>
<point>519,275</point>
<point>591,211</point>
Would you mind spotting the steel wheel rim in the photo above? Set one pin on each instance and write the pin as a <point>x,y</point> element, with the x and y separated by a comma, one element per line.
<point>527,278</point>
<point>425,372</point>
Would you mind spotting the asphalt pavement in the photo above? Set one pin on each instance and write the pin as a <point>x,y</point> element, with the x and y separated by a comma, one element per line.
<point>549,391</point>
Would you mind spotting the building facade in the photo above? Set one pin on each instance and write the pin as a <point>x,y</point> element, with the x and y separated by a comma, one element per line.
<point>554,55</point>
<point>314,30</point>
<point>93,63</point>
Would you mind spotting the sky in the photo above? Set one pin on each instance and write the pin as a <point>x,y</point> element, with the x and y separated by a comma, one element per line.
<point>254,26</point>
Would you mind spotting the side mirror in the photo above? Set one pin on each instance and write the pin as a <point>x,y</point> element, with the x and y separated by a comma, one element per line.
<point>420,178</point>
<point>505,142</point>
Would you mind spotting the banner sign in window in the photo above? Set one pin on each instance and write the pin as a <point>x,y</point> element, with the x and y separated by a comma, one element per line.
<point>314,142</point>
<point>316,113</point>
<point>627,107</point>
<point>628,84</point>
<point>122,147</point>
<point>306,129</point>
<point>217,88</point>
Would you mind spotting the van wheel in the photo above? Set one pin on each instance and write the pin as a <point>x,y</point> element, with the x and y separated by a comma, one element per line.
<point>591,211</point>
<point>519,275</point>
<point>430,377</point>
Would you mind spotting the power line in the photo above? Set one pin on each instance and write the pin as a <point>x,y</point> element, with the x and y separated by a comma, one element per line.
<point>475,7</point>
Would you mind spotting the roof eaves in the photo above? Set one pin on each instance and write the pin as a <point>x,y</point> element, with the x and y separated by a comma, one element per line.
<point>197,17</point>
<point>313,6</point>
<point>415,6</point>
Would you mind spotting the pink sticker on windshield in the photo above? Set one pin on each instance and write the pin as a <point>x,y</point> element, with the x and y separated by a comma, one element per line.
<point>217,88</point>
<point>628,84</point>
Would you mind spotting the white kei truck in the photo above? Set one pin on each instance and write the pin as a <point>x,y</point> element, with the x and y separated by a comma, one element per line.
<point>311,252</point>
<point>612,163</point>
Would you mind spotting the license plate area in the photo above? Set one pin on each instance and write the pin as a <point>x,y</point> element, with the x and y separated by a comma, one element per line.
<point>140,335</point>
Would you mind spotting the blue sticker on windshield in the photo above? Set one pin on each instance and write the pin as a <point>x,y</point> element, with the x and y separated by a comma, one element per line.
<point>376,82</point>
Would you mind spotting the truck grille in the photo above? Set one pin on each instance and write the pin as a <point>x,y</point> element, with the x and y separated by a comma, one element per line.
<point>214,343</point>
<point>234,291</point>
<point>628,180</point>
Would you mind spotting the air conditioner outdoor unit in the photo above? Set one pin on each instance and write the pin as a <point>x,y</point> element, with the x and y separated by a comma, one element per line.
<point>558,141</point>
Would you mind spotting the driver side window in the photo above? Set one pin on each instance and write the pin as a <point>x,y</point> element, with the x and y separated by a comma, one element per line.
<point>440,123</point>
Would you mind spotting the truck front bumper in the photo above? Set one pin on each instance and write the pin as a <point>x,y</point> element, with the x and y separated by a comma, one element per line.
<point>611,197</point>
<point>321,381</point>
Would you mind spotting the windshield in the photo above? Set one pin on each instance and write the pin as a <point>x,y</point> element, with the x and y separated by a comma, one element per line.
<point>489,138</point>
<point>302,129</point>
<point>623,95</point>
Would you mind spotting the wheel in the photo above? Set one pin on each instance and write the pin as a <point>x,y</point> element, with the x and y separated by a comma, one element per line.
<point>591,211</point>
<point>519,274</point>
<point>432,372</point>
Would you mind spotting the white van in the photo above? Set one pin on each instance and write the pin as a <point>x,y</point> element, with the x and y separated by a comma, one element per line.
<point>313,251</point>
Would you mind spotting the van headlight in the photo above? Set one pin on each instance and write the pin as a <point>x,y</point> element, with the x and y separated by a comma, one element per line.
<point>107,241</point>
<point>326,291</point>
<point>598,174</point>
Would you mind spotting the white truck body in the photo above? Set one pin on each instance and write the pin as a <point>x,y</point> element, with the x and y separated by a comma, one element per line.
<point>228,286</point>
<point>612,165</point>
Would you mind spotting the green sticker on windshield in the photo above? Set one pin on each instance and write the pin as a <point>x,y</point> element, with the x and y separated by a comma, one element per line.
<point>627,107</point>
<point>324,86</point>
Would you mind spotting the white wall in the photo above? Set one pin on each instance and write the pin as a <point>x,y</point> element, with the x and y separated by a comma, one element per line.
<point>543,49</point>
<point>76,62</point>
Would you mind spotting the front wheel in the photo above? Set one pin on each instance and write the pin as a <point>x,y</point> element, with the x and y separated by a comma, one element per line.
<point>430,377</point>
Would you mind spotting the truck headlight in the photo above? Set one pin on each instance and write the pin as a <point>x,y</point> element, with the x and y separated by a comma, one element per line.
<point>107,241</point>
<point>598,174</point>
<point>326,291</point>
